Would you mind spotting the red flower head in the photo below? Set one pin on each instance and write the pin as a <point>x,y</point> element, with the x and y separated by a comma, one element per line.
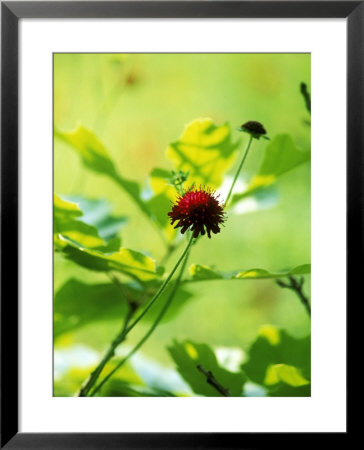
<point>198,209</point>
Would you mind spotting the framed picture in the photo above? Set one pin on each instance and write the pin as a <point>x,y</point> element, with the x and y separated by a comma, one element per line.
<point>169,172</point>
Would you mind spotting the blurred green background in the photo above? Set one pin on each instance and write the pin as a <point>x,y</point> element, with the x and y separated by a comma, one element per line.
<point>137,104</point>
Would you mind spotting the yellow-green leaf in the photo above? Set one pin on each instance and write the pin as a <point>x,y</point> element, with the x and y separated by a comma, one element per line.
<point>93,153</point>
<point>284,373</point>
<point>66,224</point>
<point>64,209</point>
<point>205,150</point>
<point>95,156</point>
<point>126,261</point>
<point>200,272</point>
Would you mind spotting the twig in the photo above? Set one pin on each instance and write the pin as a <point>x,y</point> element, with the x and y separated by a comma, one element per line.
<point>306,96</point>
<point>213,381</point>
<point>297,286</point>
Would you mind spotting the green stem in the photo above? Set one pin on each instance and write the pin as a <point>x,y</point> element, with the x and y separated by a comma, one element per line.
<point>94,375</point>
<point>239,169</point>
<point>150,331</point>
<point>161,289</point>
<point>90,382</point>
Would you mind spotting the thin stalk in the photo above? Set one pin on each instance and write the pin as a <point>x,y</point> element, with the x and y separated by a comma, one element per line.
<point>161,289</point>
<point>297,286</point>
<point>90,382</point>
<point>212,381</point>
<point>239,169</point>
<point>94,375</point>
<point>150,331</point>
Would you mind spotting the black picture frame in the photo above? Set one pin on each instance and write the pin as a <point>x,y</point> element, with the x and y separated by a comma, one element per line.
<point>11,13</point>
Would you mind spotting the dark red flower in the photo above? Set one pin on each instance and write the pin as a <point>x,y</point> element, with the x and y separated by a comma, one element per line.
<point>198,210</point>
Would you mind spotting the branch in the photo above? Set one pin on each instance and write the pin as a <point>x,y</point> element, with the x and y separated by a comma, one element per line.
<point>306,96</point>
<point>213,381</point>
<point>297,286</point>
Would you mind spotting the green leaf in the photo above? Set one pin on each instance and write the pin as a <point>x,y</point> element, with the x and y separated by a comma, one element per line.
<point>205,150</point>
<point>283,380</point>
<point>281,155</point>
<point>64,210</point>
<point>92,152</point>
<point>160,203</point>
<point>188,355</point>
<point>97,213</point>
<point>126,261</point>
<point>77,303</point>
<point>200,272</point>
<point>273,354</point>
<point>95,156</point>
<point>76,230</point>
<point>285,373</point>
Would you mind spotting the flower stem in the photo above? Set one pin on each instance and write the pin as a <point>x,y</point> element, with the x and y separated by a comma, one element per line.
<point>149,332</point>
<point>90,382</point>
<point>161,289</point>
<point>239,169</point>
<point>94,375</point>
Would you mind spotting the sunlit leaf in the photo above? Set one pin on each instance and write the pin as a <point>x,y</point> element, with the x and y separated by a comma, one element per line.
<point>281,155</point>
<point>93,153</point>
<point>188,355</point>
<point>285,373</point>
<point>205,150</point>
<point>77,303</point>
<point>95,156</point>
<point>66,223</point>
<point>276,347</point>
<point>65,210</point>
<point>126,261</point>
<point>98,213</point>
<point>200,272</point>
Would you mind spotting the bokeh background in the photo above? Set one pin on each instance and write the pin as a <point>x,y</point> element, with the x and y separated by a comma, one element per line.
<point>137,104</point>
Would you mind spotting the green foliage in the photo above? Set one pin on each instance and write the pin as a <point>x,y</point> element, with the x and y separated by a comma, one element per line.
<point>97,230</point>
<point>205,150</point>
<point>281,155</point>
<point>188,355</point>
<point>77,304</point>
<point>67,224</point>
<point>93,153</point>
<point>125,261</point>
<point>277,359</point>
<point>201,273</point>
<point>99,281</point>
<point>96,158</point>
<point>97,213</point>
